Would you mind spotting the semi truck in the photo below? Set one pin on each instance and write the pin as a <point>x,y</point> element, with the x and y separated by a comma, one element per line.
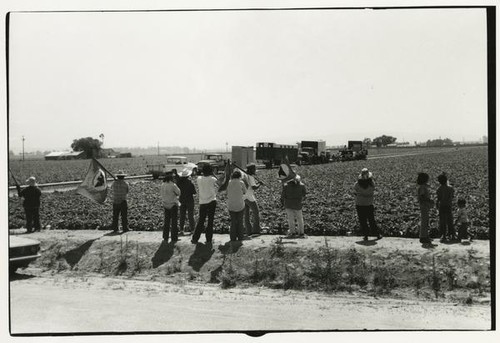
<point>313,152</point>
<point>273,154</point>
<point>243,155</point>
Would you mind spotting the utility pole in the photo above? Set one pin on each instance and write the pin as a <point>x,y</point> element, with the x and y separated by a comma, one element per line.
<point>23,148</point>
<point>158,148</point>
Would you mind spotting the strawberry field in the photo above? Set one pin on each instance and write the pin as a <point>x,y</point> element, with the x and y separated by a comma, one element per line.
<point>328,209</point>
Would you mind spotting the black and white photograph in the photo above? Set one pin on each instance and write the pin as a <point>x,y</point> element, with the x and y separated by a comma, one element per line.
<point>249,170</point>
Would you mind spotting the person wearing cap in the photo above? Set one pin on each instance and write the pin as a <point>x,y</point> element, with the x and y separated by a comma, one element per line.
<point>120,207</point>
<point>207,189</point>
<point>293,194</point>
<point>364,190</point>
<point>169,193</point>
<point>236,190</point>
<point>186,199</point>
<point>31,204</point>
<point>251,203</point>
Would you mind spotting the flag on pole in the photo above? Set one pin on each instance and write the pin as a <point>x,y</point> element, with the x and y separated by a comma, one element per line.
<point>286,173</point>
<point>223,180</point>
<point>94,186</point>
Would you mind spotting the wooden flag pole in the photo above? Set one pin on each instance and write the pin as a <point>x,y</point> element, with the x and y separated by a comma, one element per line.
<point>12,174</point>
<point>107,171</point>
<point>256,179</point>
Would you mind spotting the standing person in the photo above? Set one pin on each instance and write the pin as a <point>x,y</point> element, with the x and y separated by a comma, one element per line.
<point>207,189</point>
<point>426,203</point>
<point>463,220</point>
<point>186,200</point>
<point>31,204</point>
<point>292,196</point>
<point>120,207</point>
<point>236,190</point>
<point>251,203</point>
<point>444,204</point>
<point>169,193</point>
<point>364,190</point>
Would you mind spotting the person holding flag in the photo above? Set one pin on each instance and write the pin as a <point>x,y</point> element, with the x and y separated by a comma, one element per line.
<point>31,203</point>
<point>120,190</point>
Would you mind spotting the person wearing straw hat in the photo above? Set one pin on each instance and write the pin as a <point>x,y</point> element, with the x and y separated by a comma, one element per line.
<point>364,190</point>
<point>186,199</point>
<point>120,207</point>
<point>294,192</point>
<point>31,204</point>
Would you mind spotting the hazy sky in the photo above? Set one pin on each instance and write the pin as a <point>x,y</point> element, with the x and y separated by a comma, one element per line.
<point>201,79</point>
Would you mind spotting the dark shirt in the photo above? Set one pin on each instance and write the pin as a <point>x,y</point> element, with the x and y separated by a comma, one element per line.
<point>187,190</point>
<point>31,195</point>
<point>445,196</point>
<point>293,194</point>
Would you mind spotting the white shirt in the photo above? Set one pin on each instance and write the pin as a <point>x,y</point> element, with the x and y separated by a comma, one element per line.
<point>207,189</point>
<point>249,195</point>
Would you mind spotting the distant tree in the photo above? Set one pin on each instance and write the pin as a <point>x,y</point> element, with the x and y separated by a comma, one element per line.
<point>11,153</point>
<point>439,142</point>
<point>90,146</point>
<point>384,140</point>
<point>367,141</point>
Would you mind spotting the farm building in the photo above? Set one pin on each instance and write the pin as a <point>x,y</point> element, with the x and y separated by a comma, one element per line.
<point>64,155</point>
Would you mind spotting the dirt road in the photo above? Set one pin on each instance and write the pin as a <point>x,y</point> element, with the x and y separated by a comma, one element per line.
<point>62,304</point>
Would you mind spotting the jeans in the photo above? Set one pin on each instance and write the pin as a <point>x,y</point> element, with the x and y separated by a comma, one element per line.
<point>424,220</point>
<point>120,209</point>
<point>32,218</point>
<point>170,219</point>
<point>206,210</point>
<point>446,221</point>
<point>236,231</point>
<point>189,208</point>
<point>366,215</point>
<point>252,206</point>
<point>295,215</point>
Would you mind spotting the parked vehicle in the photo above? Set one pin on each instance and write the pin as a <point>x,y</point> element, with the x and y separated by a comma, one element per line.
<point>217,162</point>
<point>22,251</point>
<point>272,154</point>
<point>313,152</point>
<point>355,150</point>
<point>172,163</point>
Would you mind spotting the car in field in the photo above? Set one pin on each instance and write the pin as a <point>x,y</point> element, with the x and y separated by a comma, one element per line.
<point>217,162</point>
<point>22,251</point>
<point>172,163</point>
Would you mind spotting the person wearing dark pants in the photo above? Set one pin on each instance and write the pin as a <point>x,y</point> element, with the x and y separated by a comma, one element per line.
<point>444,204</point>
<point>207,211</point>
<point>120,209</point>
<point>207,190</point>
<point>120,206</point>
<point>236,190</point>
<point>170,193</point>
<point>186,199</point>
<point>364,190</point>
<point>31,204</point>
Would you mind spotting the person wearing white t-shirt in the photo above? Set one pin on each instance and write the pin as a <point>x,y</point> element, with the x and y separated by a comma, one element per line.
<point>207,193</point>
<point>251,203</point>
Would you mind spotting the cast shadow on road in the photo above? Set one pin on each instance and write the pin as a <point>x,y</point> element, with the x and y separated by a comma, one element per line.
<point>74,256</point>
<point>163,254</point>
<point>368,243</point>
<point>429,245</point>
<point>230,247</point>
<point>17,277</point>
<point>201,255</point>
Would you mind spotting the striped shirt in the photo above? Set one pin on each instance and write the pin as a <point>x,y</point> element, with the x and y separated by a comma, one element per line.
<point>120,190</point>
